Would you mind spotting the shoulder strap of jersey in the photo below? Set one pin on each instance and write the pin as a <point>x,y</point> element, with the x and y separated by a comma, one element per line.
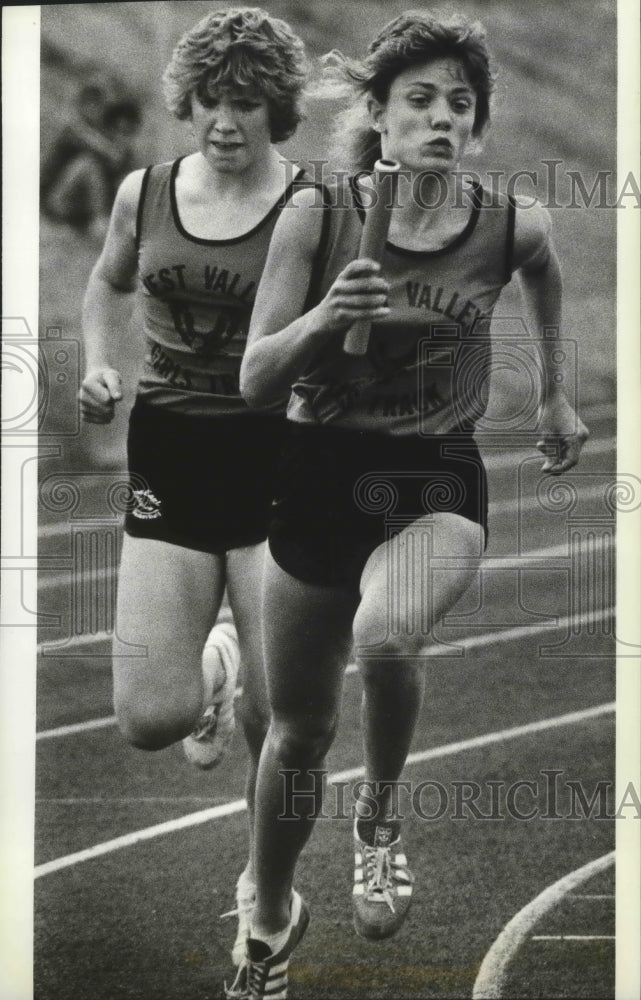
<point>141,204</point>
<point>321,250</point>
<point>509,238</point>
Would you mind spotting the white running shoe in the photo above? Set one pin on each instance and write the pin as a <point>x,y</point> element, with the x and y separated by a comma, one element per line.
<point>266,971</point>
<point>245,903</point>
<point>382,881</point>
<point>206,745</point>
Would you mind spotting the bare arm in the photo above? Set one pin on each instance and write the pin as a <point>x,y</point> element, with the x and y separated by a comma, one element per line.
<point>282,339</point>
<point>539,274</point>
<point>108,306</point>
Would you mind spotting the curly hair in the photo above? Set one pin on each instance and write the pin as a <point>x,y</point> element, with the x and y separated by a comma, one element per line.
<point>412,37</point>
<point>240,49</point>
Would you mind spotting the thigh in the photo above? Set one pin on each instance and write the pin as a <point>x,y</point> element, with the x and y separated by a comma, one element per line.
<point>307,641</point>
<point>412,580</point>
<point>168,599</point>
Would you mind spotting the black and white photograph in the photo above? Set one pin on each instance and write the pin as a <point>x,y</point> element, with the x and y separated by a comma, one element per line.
<point>321,501</point>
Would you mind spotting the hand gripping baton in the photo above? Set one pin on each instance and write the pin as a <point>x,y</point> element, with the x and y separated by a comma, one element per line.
<point>373,239</point>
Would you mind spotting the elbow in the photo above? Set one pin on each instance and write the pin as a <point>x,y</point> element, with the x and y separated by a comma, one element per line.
<point>252,395</point>
<point>253,388</point>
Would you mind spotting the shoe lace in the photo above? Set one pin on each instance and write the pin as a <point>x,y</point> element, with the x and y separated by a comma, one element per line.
<point>245,903</point>
<point>243,909</point>
<point>379,868</point>
<point>207,722</point>
<point>257,973</point>
<point>239,989</point>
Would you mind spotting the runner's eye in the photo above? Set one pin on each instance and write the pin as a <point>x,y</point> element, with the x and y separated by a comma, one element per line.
<point>247,105</point>
<point>419,101</point>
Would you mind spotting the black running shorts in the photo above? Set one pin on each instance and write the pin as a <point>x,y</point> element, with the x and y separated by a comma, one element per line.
<point>341,493</point>
<point>204,483</point>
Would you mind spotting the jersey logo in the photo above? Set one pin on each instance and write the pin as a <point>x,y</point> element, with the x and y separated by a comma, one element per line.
<point>228,322</point>
<point>147,505</point>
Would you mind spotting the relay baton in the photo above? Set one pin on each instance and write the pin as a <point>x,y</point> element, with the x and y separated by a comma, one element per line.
<point>373,239</point>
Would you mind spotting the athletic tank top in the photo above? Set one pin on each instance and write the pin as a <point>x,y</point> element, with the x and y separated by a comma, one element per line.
<point>197,298</point>
<point>426,369</point>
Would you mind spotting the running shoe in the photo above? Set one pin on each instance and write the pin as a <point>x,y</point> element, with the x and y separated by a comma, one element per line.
<point>382,882</point>
<point>266,971</point>
<point>206,745</point>
<point>245,903</point>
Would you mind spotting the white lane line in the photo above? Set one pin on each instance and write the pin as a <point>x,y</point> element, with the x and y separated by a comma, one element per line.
<point>573,937</point>
<point>471,642</point>
<point>419,756</point>
<point>64,579</point>
<point>228,809</point>
<point>77,727</point>
<point>492,974</point>
<point>523,631</point>
<point>73,728</point>
<point>145,800</point>
<point>182,823</point>
<point>530,504</point>
<point>513,457</point>
<point>518,561</point>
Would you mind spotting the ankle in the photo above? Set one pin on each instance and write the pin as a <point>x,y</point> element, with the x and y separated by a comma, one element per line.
<point>378,831</point>
<point>268,927</point>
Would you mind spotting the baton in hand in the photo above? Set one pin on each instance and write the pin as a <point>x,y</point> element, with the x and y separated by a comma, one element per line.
<point>373,239</point>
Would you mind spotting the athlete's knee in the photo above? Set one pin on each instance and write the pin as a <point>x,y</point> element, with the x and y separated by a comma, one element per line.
<point>254,719</point>
<point>154,723</point>
<point>378,637</point>
<point>303,741</point>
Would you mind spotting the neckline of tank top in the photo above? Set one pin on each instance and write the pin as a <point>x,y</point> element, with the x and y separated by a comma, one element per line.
<point>233,239</point>
<point>477,204</point>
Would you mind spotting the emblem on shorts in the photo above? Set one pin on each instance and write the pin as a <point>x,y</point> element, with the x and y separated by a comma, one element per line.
<point>147,505</point>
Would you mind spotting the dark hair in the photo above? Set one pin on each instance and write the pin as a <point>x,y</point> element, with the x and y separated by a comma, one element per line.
<point>242,48</point>
<point>412,37</point>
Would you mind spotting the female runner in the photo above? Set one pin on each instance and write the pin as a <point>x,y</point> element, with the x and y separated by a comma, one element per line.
<point>381,473</point>
<point>186,244</point>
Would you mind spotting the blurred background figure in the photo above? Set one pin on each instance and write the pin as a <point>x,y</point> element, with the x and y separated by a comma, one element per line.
<point>90,156</point>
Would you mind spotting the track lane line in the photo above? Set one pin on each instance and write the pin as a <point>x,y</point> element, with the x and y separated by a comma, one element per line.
<point>240,805</point>
<point>491,977</point>
<point>471,642</point>
<point>525,560</point>
<point>573,937</point>
<point>498,508</point>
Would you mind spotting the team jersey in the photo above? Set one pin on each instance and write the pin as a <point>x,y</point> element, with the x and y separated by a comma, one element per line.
<point>427,365</point>
<point>197,298</point>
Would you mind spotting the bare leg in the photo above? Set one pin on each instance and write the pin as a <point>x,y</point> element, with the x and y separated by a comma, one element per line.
<point>307,642</point>
<point>244,587</point>
<point>403,597</point>
<point>168,599</point>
